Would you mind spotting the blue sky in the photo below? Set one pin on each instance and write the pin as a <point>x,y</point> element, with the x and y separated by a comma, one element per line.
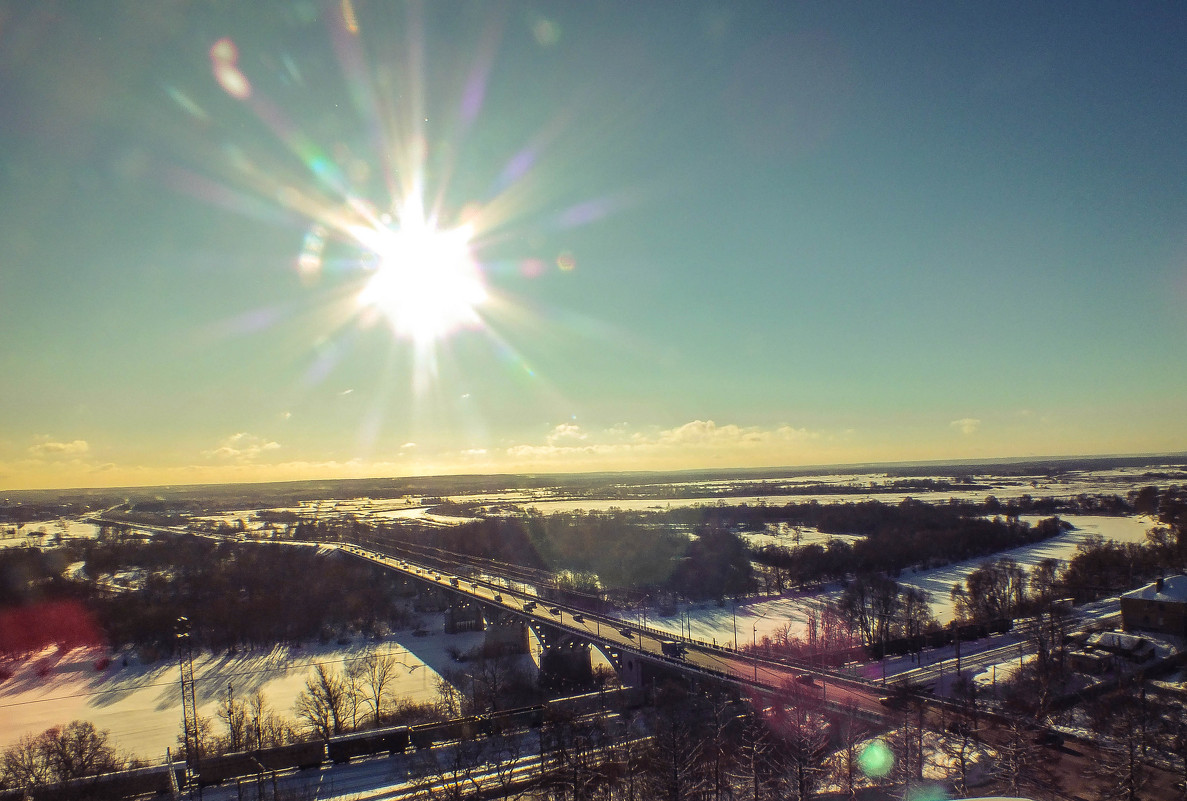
<point>724,235</point>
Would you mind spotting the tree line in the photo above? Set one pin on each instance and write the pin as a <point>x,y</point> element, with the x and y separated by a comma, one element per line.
<point>123,590</point>
<point>701,552</point>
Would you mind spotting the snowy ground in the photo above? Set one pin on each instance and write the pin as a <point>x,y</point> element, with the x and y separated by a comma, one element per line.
<point>548,500</point>
<point>140,704</point>
<point>41,532</point>
<point>755,618</point>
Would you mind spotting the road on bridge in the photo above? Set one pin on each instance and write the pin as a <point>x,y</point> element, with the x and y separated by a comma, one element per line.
<point>755,676</point>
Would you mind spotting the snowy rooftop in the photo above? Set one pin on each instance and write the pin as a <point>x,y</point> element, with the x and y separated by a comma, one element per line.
<point>1115,640</point>
<point>1174,589</point>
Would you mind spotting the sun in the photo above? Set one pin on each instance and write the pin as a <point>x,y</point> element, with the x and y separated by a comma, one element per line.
<point>427,282</point>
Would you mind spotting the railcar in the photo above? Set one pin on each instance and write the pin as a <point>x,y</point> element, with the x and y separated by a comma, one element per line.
<point>120,784</point>
<point>301,756</point>
<point>345,747</point>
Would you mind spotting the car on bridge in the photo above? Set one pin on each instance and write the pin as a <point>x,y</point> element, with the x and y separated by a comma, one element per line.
<point>579,618</point>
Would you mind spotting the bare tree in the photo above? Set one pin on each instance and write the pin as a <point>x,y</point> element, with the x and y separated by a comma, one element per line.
<point>677,742</point>
<point>753,768</point>
<point>503,757</point>
<point>375,673</point>
<point>498,682</point>
<point>845,767</point>
<point>869,603</point>
<point>915,614</point>
<point>1175,742</point>
<point>576,748</point>
<point>800,734</point>
<point>961,742</point>
<point>627,756</point>
<point>449,698</point>
<point>23,763</point>
<point>720,749</point>
<point>323,703</point>
<point>452,771</point>
<point>1017,756</point>
<point>996,589</point>
<point>234,715</point>
<point>207,742</point>
<point>907,741</point>
<point>79,749</point>
<point>267,727</point>
<point>59,754</point>
<point>1121,721</point>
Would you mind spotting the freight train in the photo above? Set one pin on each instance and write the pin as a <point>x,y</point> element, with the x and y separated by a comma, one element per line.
<point>339,749</point>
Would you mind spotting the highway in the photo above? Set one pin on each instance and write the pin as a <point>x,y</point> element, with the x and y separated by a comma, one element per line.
<point>754,675</point>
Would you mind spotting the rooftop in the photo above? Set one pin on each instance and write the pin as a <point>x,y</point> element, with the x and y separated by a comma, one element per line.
<point>1174,589</point>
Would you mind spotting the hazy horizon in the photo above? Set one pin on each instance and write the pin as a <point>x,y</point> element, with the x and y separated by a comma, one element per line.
<point>296,241</point>
<point>907,468</point>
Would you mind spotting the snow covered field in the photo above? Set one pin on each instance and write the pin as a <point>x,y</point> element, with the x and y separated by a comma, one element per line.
<point>140,704</point>
<point>759,617</point>
<point>42,531</point>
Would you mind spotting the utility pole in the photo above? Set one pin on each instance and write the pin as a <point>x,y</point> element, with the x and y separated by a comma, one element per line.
<point>189,705</point>
<point>754,650</point>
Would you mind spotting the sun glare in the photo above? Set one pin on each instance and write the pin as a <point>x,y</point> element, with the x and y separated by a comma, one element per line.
<point>427,282</point>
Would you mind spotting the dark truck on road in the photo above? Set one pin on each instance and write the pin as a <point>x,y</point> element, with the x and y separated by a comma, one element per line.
<point>672,649</point>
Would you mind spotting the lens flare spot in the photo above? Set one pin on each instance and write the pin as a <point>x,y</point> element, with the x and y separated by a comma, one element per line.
<point>223,58</point>
<point>876,760</point>
<point>546,32</point>
<point>224,51</point>
<point>348,17</point>
<point>566,262</point>
<point>183,100</point>
<point>310,260</point>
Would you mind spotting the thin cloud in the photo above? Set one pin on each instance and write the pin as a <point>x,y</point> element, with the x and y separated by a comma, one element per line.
<point>566,431</point>
<point>568,441</point>
<point>242,446</point>
<point>966,425</point>
<point>47,448</point>
<point>707,432</point>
